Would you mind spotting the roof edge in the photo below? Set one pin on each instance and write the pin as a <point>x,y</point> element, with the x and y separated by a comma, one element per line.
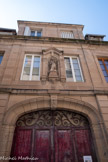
<point>48,23</point>
<point>96,35</point>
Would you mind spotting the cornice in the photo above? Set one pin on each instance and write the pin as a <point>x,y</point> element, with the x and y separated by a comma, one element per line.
<point>49,24</point>
<point>57,92</point>
<point>51,39</point>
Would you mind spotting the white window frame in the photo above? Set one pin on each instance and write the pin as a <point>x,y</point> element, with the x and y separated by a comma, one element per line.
<point>72,68</point>
<point>36,31</point>
<point>31,68</point>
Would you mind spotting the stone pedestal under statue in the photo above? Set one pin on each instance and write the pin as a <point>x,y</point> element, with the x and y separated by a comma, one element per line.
<point>53,75</point>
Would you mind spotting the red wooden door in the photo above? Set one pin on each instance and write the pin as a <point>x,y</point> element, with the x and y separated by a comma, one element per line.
<point>52,136</point>
<point>42,148</point>
<point>22,144</point>
<point>64,151</point>
<point>83,146</point>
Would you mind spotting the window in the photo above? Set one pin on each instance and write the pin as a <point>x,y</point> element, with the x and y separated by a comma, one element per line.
<point>31,68</point>
<point>67,34</point>
<point>73,69</point>
<point>29,32</point>
<point>104,66</point>
<point>36,33</point>
<point>1,57</point>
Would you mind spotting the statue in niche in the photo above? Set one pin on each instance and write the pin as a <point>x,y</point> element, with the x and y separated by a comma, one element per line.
<point>53,64</point>
<point>53,68</point>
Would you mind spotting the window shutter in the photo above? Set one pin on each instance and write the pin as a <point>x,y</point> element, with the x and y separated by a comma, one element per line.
<point>67,34</point>
<point>27,31</point>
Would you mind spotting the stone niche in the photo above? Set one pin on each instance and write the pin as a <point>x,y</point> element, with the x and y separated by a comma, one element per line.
<point>52,65</point>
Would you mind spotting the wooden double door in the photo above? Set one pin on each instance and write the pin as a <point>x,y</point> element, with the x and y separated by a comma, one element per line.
<point>52,136</point>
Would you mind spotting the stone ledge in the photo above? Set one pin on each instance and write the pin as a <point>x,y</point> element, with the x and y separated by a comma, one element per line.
<point>51,39</point>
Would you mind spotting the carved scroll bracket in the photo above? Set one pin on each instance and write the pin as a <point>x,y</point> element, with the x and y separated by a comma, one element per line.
<point>53,102</point>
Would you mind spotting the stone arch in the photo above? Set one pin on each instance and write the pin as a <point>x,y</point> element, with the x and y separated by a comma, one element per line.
<point>42,103</point>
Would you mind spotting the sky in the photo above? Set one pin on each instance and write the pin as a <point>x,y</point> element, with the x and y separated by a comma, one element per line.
<point>93,14</point>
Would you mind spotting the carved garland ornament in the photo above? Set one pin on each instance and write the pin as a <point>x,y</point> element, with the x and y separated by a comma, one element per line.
<point>50,118</point>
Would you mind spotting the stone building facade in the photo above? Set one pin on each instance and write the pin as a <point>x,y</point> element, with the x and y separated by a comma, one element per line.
<point>51,67</point>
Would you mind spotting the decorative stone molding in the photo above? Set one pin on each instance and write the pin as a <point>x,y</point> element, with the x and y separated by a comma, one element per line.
<point>52,61</point>
<point>52,50</point>
<point>46,102</point>
<point>53,102</point>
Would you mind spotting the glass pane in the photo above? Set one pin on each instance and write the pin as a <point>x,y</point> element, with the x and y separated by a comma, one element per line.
<point>74,60</point>
<point>77,73</point>
<point>26,71</point>
<point>36,58</point>
<point>100,62</point>
<point>107,66</point>
<point>1,57</point>
<point>28,61</point>
<point>106,79</point>
<point>78,78</point>
<point>68,74</point>
<point>106,62</point>
<point>76,66</point>
<point>27,67</point>
<point>68,68</point>
<point>38,33</point>
<point>33,33</point>
<point>36,64</point>
<point>67,64</point>
<point>35,71</point>
<point>105,73</point>
<point>102,67</point>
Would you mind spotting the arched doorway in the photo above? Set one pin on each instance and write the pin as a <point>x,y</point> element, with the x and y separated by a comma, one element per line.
<point>53,136</point>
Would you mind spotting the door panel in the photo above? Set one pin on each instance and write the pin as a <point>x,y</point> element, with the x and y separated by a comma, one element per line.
<point>22,144</point>
<point>42,145</point>
<point>53,136</point>
<point>63,146</point>
<point>83,145</point>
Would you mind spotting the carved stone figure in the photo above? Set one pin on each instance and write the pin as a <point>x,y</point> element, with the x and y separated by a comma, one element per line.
<point>53,64</point>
